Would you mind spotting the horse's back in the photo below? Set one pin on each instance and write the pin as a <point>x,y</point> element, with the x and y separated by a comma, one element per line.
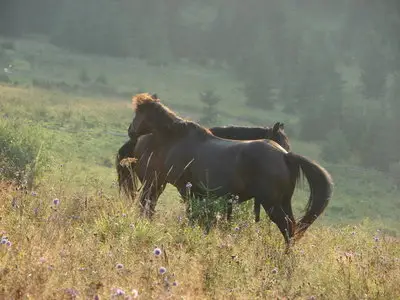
<point>239,133</point>
<point>265,158</point>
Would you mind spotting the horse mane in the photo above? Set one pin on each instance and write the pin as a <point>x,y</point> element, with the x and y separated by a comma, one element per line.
<point>167,120</point>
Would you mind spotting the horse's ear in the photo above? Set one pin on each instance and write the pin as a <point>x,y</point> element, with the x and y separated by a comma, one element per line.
<point>276,127</point>
<point>154,96</point>
<point>281,126</point>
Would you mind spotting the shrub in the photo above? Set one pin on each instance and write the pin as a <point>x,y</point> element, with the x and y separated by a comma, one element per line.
<point>205,211</point>
<point>23,155</point>
<point>210,112</point>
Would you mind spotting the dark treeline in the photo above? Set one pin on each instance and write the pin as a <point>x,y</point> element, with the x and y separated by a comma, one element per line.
<point>289,54</point>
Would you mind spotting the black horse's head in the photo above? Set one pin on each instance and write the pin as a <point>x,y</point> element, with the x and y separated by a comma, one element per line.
<point>141,123</point>
<point>279,136</point>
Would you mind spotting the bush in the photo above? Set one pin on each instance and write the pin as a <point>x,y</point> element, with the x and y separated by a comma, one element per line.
<point>204,212</point>
<point>336,149</point>
<point>210,112</point>
<point>23,155</point>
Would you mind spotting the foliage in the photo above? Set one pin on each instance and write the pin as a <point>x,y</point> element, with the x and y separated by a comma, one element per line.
<point>23,153</point>
<point>374,70</point>
<point>210,112</point>
<point>205,212</point>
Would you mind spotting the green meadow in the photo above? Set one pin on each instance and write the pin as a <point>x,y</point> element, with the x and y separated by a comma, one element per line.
<point>72,235</point>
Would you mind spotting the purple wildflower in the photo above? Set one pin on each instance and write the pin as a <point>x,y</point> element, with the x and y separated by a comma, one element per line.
<point>33,193</point>
<point>157,251</point>
<point>96,297</point>
<point>188,185</point>
<point>56,201</point>
<point>3,241</point>
<point>42,260</point>
<point>119,292</point>
<point>376,239</point>
<point>237,228</point>
<point>119,266</point>
<point>274,271</point>
<point>72,292</point>
<point>162,270</point>
<point>175,283</point>
<point>8,244</point>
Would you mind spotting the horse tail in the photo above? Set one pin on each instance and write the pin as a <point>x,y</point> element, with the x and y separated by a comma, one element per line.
<point>125,164</point>
<point>321,186</point>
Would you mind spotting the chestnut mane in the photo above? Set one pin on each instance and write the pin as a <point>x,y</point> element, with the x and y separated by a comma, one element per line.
<point>164,119</point>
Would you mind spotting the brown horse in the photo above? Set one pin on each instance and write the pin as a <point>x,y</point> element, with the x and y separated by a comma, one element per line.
<point>183,152</point>
<point>128,182</point>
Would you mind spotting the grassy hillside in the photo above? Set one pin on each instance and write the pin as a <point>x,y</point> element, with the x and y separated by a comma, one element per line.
<point>58,249</point>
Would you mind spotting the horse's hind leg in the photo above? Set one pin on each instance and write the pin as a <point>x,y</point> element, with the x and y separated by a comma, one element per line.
<point>283,217</point>
<point>287,208</point>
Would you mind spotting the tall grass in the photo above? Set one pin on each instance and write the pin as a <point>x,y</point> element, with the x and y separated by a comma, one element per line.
<point>88,241</point>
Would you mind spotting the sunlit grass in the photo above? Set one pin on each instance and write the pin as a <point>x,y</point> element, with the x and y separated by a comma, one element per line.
<point>93,242</point>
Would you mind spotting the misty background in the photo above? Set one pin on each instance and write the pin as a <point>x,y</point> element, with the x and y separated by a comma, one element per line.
<point>334,66</point>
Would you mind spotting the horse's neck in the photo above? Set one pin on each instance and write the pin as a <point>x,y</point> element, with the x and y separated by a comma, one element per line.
<point>269,133</point>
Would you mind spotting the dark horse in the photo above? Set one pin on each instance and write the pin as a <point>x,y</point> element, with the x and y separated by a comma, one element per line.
<point>183,151</point>
<point>128,182</point>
